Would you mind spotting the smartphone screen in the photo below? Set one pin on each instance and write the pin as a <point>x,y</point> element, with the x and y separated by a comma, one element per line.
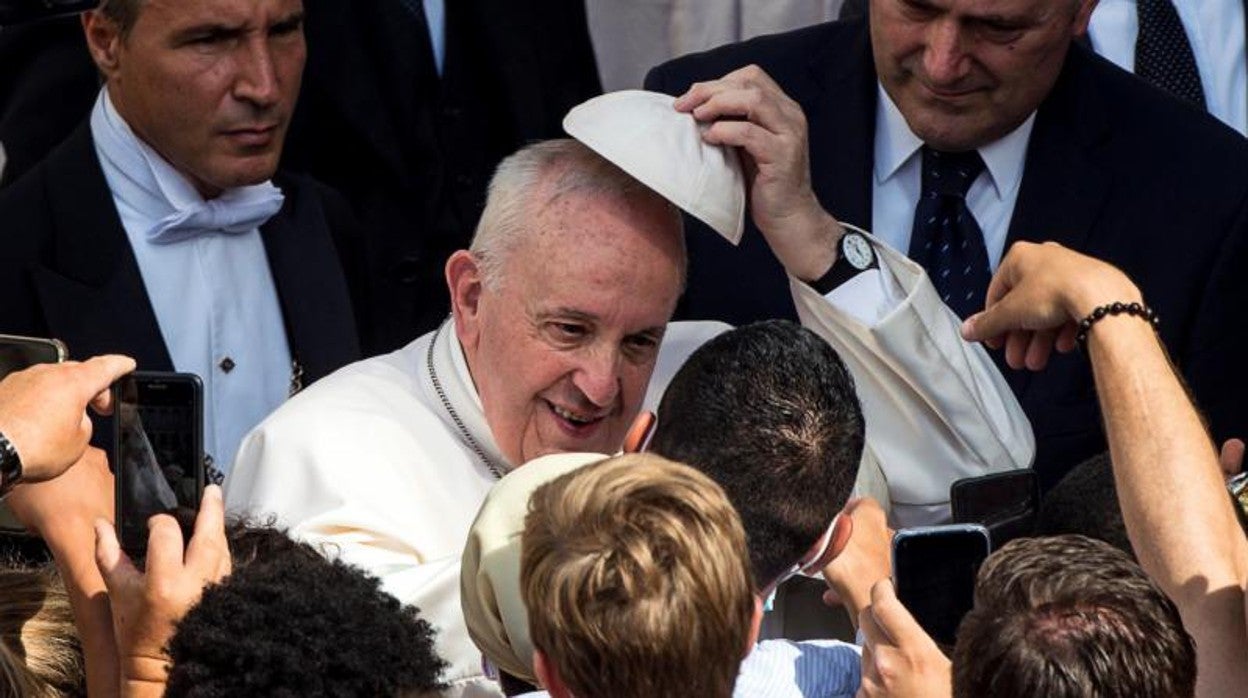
<point>159,453</point>
<point>934,570</point>
<point>18,353</point>
<point>1006,503</point>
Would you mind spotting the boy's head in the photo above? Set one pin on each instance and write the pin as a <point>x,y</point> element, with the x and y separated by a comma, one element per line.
<point>634,571</point>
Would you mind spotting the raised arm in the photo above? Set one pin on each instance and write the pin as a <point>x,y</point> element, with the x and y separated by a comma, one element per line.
<point>1170,486</point>
<point>937,408</point>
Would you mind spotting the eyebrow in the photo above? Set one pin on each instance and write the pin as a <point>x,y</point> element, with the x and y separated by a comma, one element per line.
<point>214,29</point>
<point>576,314</point>
<point>222,30</point>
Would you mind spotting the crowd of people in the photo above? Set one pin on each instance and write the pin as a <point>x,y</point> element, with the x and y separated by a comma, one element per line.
<point>709,346</point>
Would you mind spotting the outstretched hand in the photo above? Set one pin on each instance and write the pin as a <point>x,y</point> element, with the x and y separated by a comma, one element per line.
<point>864,561</point>
<point>1038,296</point>
<point>43,411</point>
<point>899,659</point>
<point>148,604</point>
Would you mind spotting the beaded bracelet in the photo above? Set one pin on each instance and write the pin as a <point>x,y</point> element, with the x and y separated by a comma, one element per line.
<point>1137,309</point>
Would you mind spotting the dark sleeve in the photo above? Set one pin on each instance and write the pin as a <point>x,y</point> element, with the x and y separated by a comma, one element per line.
<point>1216,365</point>
<point>47,86</point>
<point>853,9</point>
<point>568,61</point>
<point>349,238</point>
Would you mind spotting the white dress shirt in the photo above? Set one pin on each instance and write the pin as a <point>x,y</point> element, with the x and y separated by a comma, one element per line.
<point>898,181</point>
<point>1215,29</point>
<point>213,294</point>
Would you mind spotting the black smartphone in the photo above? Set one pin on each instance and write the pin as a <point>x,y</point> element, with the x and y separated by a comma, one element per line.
<point>158,458</point>
<point>934,570</point>
<point>18,353</point>
<point>1006,503</point>
<point>22,11</point>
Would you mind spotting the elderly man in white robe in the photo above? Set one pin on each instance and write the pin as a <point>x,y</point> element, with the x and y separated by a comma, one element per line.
<point>560,314</point>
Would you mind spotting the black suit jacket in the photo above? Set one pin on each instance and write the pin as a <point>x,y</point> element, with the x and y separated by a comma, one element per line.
<point>413,152</point>
<point>47,87</point>
<point>1114,169</point>
<point>68,270</point>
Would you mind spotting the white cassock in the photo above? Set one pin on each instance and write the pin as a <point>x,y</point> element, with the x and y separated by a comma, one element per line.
<point>370,464</point>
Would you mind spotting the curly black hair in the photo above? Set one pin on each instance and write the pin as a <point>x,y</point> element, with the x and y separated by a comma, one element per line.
<point>288,622</point>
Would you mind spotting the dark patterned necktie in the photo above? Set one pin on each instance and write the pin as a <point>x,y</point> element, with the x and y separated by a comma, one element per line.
<point>1163,55</point>
<point>946,240</point>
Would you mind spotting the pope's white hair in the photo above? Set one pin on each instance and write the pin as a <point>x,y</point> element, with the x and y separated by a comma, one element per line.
<point>535,177</point>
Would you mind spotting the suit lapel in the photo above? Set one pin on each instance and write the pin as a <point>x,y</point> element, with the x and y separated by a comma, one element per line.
<point>841,97</point>
<point>320,326</point>
<point>92,292</point>
<point>1063,189</point>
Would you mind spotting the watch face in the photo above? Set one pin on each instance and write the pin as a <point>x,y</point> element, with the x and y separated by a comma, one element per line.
<point>857,250</point>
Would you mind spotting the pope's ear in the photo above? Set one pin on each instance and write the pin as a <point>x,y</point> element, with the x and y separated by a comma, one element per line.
<point>104,39</point>
<point>463,280</point>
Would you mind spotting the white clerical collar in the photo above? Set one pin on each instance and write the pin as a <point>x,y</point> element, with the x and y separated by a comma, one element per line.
<point>448,368</point>
<point>896,144</point>
<point>152,196</point>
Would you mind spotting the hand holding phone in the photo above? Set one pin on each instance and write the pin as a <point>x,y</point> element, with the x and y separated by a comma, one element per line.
<point>147,605</point>
<point>934,568</point>
<point>899,658</point>
<point>43,411</point>
<point>159,454</point>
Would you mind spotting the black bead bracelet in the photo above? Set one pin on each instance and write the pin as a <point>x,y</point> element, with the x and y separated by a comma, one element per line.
<point>1137,309</point>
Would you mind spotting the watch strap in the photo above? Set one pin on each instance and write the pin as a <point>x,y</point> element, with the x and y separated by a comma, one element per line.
<point>841,270</point>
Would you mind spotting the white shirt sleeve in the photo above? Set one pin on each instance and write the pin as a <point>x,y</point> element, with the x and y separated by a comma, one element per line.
<point>936,407</point>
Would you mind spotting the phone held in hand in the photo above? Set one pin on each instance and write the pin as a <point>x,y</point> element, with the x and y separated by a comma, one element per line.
<point>19,353</point>
<point>934,570</point>
<point>158,458</point>
<point>1006,503</point>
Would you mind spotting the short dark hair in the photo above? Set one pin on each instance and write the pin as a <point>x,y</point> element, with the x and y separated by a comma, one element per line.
<point>769,412</point>
<point>287,621</point>
<point>1085,502</point>
<point>1069,616</point>
<point>124,12</point>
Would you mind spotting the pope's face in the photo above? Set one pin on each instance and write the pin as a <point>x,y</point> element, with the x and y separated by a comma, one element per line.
<point>208,84</point>
<point>964,73</point>
<point>561,350</point>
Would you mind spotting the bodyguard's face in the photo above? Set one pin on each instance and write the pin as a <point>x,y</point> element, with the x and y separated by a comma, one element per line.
<point>562,350</point>
<point>208,84</point>
<point>964,73</point>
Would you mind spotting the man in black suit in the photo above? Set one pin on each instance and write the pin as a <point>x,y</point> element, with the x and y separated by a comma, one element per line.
<point>154,231</point>
<point>1103,164</point>
<point>411,141</point>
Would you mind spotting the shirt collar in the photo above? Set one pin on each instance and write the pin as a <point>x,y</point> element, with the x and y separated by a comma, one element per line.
<point>157,201</point>
<point>140,179</point>
<point>896,144</point>
<point>451,367</point>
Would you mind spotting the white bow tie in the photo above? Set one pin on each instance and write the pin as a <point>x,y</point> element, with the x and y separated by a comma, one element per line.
<point>236,211</point>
